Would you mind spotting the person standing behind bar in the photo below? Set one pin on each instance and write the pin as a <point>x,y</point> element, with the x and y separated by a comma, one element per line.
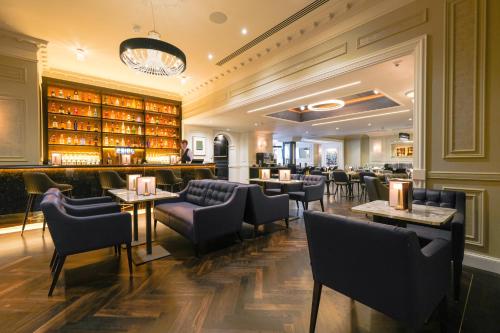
<point>186,153</point>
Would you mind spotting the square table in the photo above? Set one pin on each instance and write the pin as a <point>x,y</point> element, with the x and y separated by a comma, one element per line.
<point>420,214</point>
<point>130,197</point>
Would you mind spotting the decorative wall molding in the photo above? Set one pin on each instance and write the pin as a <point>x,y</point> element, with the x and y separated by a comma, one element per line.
<point>465,175</point>
<point>302,62</point>
<point>12,73</point>
<point>475,210</point>
<point>392,29</point>
<point>464,79</point>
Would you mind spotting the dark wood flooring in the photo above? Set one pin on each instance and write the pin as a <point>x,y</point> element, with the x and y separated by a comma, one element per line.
<point>262,285</point>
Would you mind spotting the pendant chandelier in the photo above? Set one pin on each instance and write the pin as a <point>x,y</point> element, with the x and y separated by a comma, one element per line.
<point>151,55</point>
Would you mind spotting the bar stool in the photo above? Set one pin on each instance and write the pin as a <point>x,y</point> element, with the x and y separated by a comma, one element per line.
<point>110,180</point>
<point>37,183</point>
<point>167,177</point>
<point>204,173</point>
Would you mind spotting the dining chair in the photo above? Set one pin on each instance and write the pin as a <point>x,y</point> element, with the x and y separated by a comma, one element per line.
<point>341,181</point>
<point>362,174</point>
<point>37,183</point>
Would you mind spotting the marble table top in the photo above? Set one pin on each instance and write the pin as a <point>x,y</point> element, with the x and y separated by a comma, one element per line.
<point>132,197</point>
<point>275,180</point>
<point>420,214</point>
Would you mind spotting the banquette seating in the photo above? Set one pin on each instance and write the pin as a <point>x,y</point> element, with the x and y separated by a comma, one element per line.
<point>204,210</point>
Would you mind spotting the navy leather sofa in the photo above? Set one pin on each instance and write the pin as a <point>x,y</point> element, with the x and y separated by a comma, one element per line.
<point>380,266</point>
<point>205,209</point>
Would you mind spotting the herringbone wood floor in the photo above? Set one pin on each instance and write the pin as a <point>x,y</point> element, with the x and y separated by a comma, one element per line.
<point>262,285</point>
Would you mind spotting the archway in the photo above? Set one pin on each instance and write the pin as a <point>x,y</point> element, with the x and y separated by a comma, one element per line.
<point>221,156</point>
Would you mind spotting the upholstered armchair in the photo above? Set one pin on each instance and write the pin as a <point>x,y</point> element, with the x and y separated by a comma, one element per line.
<point>166,177</point>
<point>405,282</point>
<point>375,189</point>
<point>110,180</point>
<point>262,209</point>
<point>312,189</point>
<point>78,234</point>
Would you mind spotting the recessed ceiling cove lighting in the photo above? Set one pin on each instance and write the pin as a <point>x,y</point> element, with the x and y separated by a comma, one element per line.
<point>80,54</point>
<point>210,56</point>
<point>410,94</point>
<point>358,118</point>
<point>305,96</point>
<point>328,105</point>
<point>244,31</point>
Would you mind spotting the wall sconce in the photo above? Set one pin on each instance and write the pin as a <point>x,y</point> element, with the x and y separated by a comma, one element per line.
<point>377,147</point>
<point>401,194</point>
<point>146,186</point>
<point>56,159</point>
<point>265,173</point>
<point>285,175</point>
<point>132,182</point>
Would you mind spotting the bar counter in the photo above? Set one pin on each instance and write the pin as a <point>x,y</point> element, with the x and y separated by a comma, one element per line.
<point>84,178</point>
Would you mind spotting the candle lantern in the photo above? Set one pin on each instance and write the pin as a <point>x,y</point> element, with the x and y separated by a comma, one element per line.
<point>146,186</point>
<point>265,173</point>
<point>400,194</point>
<point>285,174</point>
<point>132,182</point>
<point>56,159</point>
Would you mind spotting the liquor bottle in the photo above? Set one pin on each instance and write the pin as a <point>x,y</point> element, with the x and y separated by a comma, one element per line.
<point>95,112</point>
<point>139,130</point>
<point>54,122</point>
<point>123,102</point>
<point>133,129</point>
<point>96,99</point>
<point>123,127</point>
<point>96,128</point>
<point>105,100</point>
<point>69,125</point>
<point>113,114</point>
<point>128,116</point>
<point>61,108</point>
<point>106,140</point>
<point>82,141</point>
<point>123,142</point>
<point>68,96</point>
<point>52,93</point>
<point>76,97</point>
<point>53,107</point>
<point>61,139</point>
<point>88,126</point>
<point>108,159</point>
<point>75,139</point>
<point>61,93</point>
<point>128,129</point>
<point>68,140</point>
<point>128,142</point>
<point>152,120</point>
<point>96,141</point>
<point>128,103</point>
<point>117,128</point>
<point>89,112</point>
<point>106,128</point>
<point>117,102</point>
<point>148,143</point>
<point>138,118</point>
<point>133,104</point>
<point>75,111</point>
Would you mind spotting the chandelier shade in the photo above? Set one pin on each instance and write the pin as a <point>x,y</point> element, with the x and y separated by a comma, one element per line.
<point>152,56</point>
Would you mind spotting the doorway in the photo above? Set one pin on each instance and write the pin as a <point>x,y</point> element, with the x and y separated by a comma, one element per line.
<point>221,156</point>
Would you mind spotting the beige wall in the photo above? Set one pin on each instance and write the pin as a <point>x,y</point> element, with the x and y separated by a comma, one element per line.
<point>380,150</point>
<point>462,135</point>
<point>19,104</point>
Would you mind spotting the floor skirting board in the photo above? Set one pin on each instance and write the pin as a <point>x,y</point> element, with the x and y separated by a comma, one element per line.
<point>481,261</point>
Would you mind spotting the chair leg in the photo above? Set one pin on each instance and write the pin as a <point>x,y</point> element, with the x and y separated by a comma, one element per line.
<point>315,305</point>
<point>322,205</point>
<point>197,250</point>
<point>156,222</point>
<point>54,265</point>
<point>60,264</point>
<point>306,205</point>
<point>297,202</point>
<point>119,249</point>
<point>44,223</point>
<point>255,231</point>
<point>29,206</point>
<point>457,277</point>
<point>239,236</point>
<point>286,222</point>
<point>129,258</point>
<point>443,314</point>
<point>53,258</point>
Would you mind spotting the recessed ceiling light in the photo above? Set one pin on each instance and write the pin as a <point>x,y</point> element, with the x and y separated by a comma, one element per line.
<point>410,94</point>
<point>184,80</point>
<point>337,128</point>
<point>256,124</point>
<point>358,118</point>
<point>80,54</point>
<point>305,96</point>
<point>302,108</point>
<point>375,91</point>
<point>410,119</point>
<point>210,56</point>
<point>244,31</point>
<point>369,124</point>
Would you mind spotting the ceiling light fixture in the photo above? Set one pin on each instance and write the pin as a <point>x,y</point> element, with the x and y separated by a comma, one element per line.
<point>410,94</point>
<point>358,118</point>
<point>305,96</point>
<point>210,56</point>
<point>302,107</point>
<point>244,31</point>
<point>369,124</point>
<point>151,55</point>
<point>328,105</point>
<point>80,54</point>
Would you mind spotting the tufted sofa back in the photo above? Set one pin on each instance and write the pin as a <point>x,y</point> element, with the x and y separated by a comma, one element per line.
<point>446,199</point>
<point>209,192</point>
<point>313,180</point>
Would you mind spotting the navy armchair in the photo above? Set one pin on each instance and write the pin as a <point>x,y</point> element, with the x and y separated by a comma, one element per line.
<point>205,209</point>
<point>77,234</point>
<point>262,209</point>
<point>378,265</point>
<point>312,189</point>
<point>375,189</point>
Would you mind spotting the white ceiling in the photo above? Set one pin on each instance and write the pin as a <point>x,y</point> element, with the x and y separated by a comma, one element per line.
<point>394,81</point>
<point>100,26</point>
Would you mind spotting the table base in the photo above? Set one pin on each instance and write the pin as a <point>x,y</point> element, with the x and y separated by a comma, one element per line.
<point>141,257</point>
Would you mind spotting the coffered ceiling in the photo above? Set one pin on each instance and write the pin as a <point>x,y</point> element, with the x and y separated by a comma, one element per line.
<point>198,27</point>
